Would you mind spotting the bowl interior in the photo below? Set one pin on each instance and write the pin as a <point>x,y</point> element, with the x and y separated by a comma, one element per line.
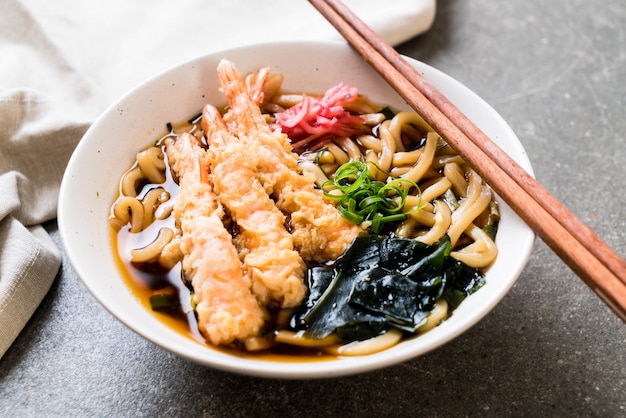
<point>108,148</point>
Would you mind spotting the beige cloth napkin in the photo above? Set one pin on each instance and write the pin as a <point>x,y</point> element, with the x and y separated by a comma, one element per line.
<point>62,62</point>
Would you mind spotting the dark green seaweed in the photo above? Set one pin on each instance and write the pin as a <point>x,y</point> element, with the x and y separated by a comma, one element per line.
<point>382,282</point>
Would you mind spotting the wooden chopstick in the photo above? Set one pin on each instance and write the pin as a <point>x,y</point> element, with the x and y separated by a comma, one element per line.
<point>601,268</point>
<point>556,209</point>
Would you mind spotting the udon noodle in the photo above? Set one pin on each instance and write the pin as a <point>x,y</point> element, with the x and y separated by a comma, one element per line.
<point>441,196</point>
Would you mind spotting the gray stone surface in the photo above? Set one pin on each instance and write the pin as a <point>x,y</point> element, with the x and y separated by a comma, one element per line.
<point>556,71</point>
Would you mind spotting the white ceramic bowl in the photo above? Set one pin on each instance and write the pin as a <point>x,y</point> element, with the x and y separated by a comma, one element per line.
<point>109,146</point>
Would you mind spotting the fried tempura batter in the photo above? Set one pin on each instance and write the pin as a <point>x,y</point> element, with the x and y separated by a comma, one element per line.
<point>227,310</point>
<point>265,245</point>
<point>319,232</point>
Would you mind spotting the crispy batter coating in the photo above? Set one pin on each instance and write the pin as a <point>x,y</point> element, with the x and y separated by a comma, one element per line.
<point>265,245</point>
<point>319,232</point>
<point>227,310</point>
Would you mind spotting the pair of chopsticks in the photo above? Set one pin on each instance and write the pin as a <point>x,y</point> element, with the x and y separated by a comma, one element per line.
<point>601,268</point>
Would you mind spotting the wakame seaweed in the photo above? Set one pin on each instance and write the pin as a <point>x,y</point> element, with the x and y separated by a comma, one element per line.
<point>382,282</point>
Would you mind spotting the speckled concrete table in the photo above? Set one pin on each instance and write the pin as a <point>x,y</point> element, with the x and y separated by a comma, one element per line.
<point>556,71</point>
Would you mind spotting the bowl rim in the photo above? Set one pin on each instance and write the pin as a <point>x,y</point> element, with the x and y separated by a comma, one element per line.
<point>293,370</point>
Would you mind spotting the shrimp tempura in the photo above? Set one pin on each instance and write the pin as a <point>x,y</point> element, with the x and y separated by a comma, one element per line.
<point>265,245</point>
<point>227,310</point>
<point>319,232</point>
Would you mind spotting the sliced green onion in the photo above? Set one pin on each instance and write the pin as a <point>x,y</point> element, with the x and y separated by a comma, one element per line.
<point>363,198</point>
<point>450,199</point>
<point>163,302</point>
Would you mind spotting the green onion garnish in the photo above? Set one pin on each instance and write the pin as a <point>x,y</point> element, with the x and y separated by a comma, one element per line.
<point>163,302</point>
<point>365,199</point>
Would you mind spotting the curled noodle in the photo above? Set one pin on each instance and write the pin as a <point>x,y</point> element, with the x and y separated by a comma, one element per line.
<point>153,250</point>
<point>151,202</point>
<point>477,200</point>
<point>130,180</point>
<point>128,210</point>
<point>152,164</point>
